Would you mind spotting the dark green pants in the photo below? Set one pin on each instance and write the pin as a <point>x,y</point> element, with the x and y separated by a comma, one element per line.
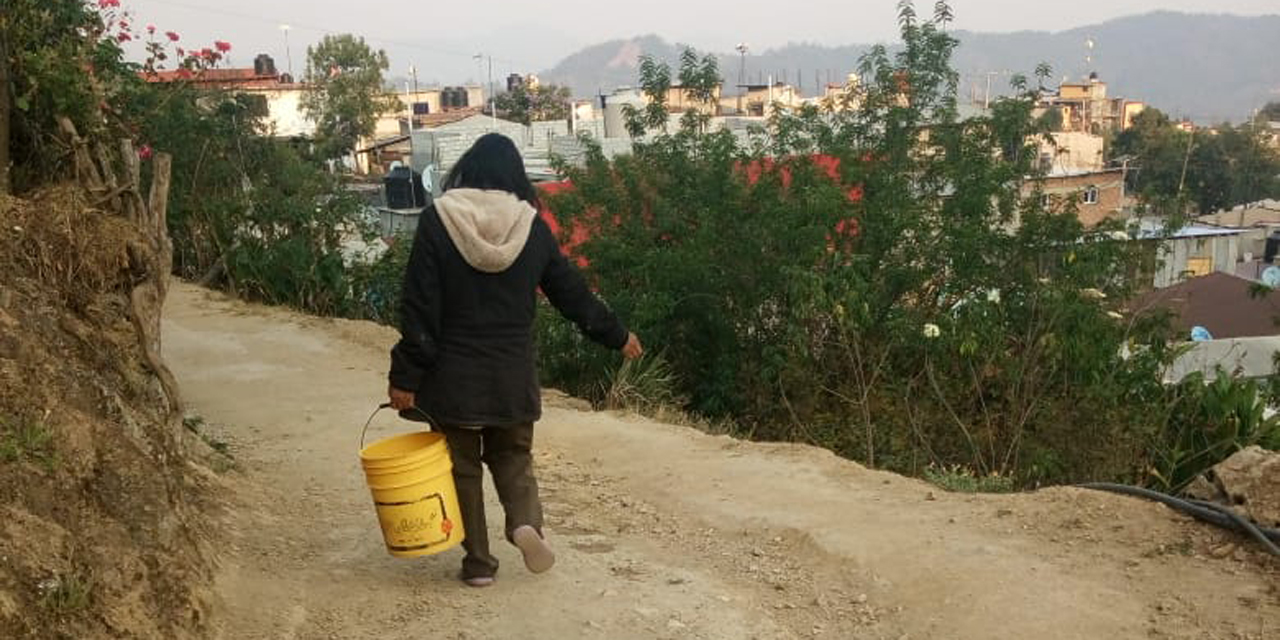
<point>506,451</point>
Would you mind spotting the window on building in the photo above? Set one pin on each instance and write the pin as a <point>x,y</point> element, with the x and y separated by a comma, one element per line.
<point>421,108</point>
<point>1046,201</point>
<point>1046,162</point>
<point>1091,195</point>
<point>255,104</point>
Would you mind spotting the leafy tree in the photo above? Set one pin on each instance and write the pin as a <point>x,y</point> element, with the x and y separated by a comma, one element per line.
<point>1270,112</point>
<point>346,96</point>
<point>1158,150</point>
<point>57,58</point>
<point>655,78</point>
<point>540,103</point>
<point>1210,168</point>
<point>698,77</point>
<point>880,281</point>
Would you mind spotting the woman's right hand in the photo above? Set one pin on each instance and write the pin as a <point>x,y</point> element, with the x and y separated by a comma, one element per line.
<point>401,399</point>
<point>632,349</point>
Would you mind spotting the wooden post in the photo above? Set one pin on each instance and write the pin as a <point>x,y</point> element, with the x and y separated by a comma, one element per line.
<point>5,106</point>
<point>158,218</point>
<point>112,188</point>
<point>86,169</point>
<point>134,206</point>
<point>147,298</point>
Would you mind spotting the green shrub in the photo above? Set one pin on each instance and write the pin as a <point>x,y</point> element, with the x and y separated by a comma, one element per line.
<point>376,286</point>
<point>24,441</point>
<point>67,594</point>
<point>1208,422</point>
<point>644,385</point>
<point>882,281</point>
<point>961,480</point>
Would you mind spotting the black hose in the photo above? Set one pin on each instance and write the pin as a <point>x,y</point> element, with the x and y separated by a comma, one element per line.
<point>1244,524</point>
<point>1200,510</point>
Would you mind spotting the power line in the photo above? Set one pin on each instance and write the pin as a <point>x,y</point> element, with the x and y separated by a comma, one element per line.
<point>315,28</point>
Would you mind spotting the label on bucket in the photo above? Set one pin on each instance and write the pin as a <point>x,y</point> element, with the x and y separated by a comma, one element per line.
<point>416,525</point>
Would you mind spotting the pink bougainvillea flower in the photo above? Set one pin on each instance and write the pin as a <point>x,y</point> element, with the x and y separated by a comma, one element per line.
<point>182,53</point>
<point>124,37</point>
<point>107,4</point>
<point>173,37</point>
<point>206,53</point>
<point>144,152</point>
<point>222,45</point>
<point>151,28</point>
<point>124,24</point>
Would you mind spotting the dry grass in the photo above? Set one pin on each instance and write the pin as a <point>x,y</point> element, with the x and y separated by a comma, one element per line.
<point>58,239</point>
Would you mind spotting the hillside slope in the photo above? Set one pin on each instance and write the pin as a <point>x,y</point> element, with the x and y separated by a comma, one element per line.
<point>666,532</point>
<point>101,525</point>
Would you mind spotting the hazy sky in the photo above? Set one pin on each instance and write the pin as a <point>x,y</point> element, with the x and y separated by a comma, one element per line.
<point>439,38</point>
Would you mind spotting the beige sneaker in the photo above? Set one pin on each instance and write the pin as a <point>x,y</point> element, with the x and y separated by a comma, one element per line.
<point>538,556</point>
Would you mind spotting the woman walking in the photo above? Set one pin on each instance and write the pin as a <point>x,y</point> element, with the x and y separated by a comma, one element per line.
<point>466,353</point>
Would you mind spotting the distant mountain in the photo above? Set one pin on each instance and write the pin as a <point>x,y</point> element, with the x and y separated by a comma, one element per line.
<point>1205,67</point>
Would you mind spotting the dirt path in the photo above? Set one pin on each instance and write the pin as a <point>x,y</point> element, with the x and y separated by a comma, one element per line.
<point>664,532</point>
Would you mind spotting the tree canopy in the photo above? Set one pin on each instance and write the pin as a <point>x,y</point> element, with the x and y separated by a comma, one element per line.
<point>1207,168</point>
<point>346,95</point>
<point>526,104</point>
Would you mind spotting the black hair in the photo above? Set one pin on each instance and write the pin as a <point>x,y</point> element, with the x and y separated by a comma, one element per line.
<point>493,163</point>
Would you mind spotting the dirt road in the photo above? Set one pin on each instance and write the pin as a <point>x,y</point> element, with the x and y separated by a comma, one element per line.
<point>663,531</point>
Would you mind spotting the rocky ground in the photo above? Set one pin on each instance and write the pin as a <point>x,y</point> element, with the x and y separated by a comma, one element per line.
<point>664,531</point>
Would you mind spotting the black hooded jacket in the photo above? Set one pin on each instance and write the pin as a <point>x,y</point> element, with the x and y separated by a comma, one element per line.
<point>468,307</point>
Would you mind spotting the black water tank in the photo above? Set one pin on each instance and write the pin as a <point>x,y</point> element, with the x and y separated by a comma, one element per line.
<point>403,188</point>
<point>1273,248</point>
<point>264,65</point>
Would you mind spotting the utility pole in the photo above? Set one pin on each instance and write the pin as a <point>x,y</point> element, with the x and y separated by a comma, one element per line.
<point>493,97</point>
<point>288,53</point>
<point>742,48</point>
<point>769,106</point>
<point>409,103</point>
<point>986,101</point>
<point>412,98</point>
<point>1187,160</point>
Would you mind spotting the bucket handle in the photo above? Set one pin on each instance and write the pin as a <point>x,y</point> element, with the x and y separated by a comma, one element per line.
<point>387,405</point>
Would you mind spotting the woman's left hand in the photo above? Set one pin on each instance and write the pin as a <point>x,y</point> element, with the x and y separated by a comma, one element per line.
<point>401,399</point>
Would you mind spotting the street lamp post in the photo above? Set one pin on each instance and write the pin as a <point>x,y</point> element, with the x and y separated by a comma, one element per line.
<point>411,98</point>
<point>493,98</point>
<point>742,74</point>
<point>287,51</point>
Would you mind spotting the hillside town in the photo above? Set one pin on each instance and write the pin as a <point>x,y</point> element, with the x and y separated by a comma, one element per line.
<point>417,144</point>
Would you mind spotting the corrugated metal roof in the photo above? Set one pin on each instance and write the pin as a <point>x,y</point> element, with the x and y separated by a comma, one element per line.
<point>1222,303</point>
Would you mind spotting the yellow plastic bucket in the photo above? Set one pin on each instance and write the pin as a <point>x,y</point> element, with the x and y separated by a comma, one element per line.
<point>411,479</point>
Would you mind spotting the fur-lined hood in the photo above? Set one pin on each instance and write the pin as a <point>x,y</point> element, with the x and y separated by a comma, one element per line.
<point>489,228</point>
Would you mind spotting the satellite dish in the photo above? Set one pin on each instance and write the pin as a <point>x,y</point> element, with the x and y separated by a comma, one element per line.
<point>1271,277</point>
